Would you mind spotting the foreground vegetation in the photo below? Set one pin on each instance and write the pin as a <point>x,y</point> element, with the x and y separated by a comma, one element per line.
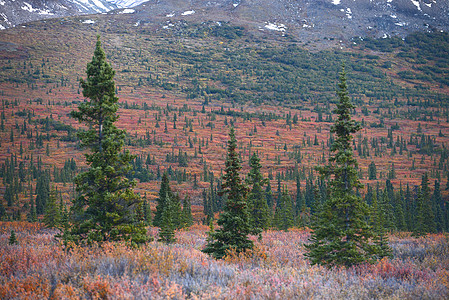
<point>38,267</point>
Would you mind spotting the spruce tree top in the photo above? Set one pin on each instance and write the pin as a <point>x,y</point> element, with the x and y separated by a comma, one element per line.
<point>99,87</point>
<point>342,164</point>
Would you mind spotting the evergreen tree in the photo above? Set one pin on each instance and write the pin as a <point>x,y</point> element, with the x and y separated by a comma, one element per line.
<point>107,203</point>
<point>438,208</point>
<point>257,204</point>
<point>379,223</point>
<point>165,191</point>
<point>425,219</point>
<point>234,220</point>
<point>12,238</point>
<point>32,216</point>
<point>187,218</point>
<point>52,216</point>
<point>372,172</point>
<point>341,234</point>
<point>283,217</point>
<point>269,195</point>
<point>167,226</point>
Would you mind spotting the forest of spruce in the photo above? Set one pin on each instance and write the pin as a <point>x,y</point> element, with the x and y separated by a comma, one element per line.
<point>218,172</point>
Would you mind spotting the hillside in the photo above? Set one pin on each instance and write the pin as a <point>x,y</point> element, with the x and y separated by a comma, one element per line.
<point>181,85</point>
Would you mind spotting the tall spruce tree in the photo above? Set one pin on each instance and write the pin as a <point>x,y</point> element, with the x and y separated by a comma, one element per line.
<point>425,219</point>
<point>164,192</point>
<point>341,234</point>
<point>283,216</point>
<point>187,218</point>
<point>167,222</point>
<point>106,205</point>
<point>257,203</point>
<point>379,222</point>
<point>52,215</point>
<point>234,220</point>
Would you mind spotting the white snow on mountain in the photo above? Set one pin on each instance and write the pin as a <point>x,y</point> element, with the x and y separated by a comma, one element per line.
<point>126,3</point>
<point>127,11</point>
<point>189,12</point>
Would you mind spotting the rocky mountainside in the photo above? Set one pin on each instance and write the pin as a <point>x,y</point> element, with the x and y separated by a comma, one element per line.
<point>309,20</point>
<point>14,12</point>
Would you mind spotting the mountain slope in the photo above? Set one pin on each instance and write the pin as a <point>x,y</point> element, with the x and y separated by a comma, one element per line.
<point>17,12</point>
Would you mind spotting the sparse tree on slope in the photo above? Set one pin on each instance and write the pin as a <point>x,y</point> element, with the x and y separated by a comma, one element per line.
<point>234,220</point>
<point>106,205</point>
<point>341,234</point>
<point>257,203</point>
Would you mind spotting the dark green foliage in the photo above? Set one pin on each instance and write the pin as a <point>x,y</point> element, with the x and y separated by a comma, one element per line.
<point>258,208</point>
<point>167,221</point>
<point>425,218</point>
<point>380,224</point>
<point>372,172</point>
<point>106,206</point>
<point>341,235</point>
<point>12,238</point>
<point>52,216</point>
<point>164,192</point>
<point>283,216</point>
<point>438,208</point>
<point>187,218</point>
<point>234,220</point>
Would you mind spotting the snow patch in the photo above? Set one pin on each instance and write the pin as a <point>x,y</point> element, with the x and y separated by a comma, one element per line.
<point>1,26</point>
<point>170,15</point>
<point>88,22</point>
<point>348,13</point>
<point>394,16</point>
<point>189,12</point>
<point>2,3</point>
<point>127,11</point>
<point>428,4</point>
<point>29,7</point>
<point>400,24</point>
<point>276,27</point>
<point>336,2</point>
<point>416,3</point>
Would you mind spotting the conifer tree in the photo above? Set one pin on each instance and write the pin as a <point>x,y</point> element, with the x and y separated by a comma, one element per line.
<point>12,238</point>
<point>52,216</point>
<point>425,219</point>
<point>167,226</point>
<point>341,234</point>
<point>438,208</point>
<point>379,222</point>
<point>283,218</point>
<point>106,204</point>
<point>234,220</point>
<point>187,219</point>
<point>257,203</point>
<point>164,192</point>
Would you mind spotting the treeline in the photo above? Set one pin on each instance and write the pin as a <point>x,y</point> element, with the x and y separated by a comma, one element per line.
<point>408,208</point>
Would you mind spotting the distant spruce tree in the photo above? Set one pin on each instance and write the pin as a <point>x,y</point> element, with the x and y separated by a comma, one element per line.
<point>52,215</point>
<point>257,203</point>
<point>164,192</point>
<point>167,222</point>
<point>425,218</point>
<point>12,238</point>
<point>372,171</point>
<point>283,216</point>
<point>234,220</point>
<point>380,226</point>
<point>341,233</point>
<point>106,205</point>
<point>187,219</point>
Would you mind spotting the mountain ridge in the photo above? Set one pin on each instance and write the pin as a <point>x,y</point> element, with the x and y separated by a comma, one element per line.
<point>305,19</point>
